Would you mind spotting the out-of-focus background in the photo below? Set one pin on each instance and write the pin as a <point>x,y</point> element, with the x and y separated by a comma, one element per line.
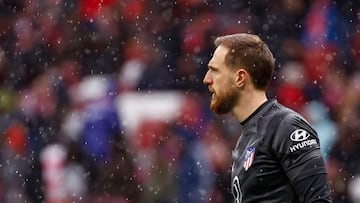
<point>103,101</point>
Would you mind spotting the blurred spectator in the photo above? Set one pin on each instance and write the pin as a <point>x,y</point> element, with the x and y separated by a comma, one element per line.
<point>333,90</point>
<point>219,152</point>
<point>52,158</point>
<point>161,184</point>
<point>26,53</point>
<point>195,173</point>
<point>354,190</point>
<point>318,115</point>
<point>290,91</point>
<point>100,136</point>
<point>16,168</point>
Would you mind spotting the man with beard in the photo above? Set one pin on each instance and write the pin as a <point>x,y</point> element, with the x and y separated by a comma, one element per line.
<point>277,157</point>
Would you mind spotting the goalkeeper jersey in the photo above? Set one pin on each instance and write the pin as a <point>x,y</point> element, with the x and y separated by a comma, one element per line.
<point>277,159</point>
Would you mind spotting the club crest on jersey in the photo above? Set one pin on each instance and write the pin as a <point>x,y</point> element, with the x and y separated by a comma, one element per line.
<point>249,157</point>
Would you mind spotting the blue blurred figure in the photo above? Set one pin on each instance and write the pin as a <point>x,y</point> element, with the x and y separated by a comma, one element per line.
<point>101,124</point>
<point>318,116</point>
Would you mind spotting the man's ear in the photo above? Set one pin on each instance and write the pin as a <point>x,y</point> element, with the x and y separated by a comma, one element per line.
<point>241,77</point>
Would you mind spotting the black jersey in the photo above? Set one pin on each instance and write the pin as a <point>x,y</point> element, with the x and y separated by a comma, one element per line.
<point>277,159</point>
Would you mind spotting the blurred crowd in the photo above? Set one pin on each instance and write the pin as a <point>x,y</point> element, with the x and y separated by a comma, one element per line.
<point>66,64</point>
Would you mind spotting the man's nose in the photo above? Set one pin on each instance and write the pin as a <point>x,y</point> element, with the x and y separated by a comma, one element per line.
<point>206,79</point>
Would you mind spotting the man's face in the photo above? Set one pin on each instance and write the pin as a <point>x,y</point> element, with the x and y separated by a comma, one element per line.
<point>220,80</point>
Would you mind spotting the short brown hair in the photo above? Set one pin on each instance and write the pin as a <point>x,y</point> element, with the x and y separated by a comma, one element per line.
<point>248,51</point>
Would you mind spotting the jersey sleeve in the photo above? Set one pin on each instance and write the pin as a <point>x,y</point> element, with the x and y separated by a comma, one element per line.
<point>297,148</point>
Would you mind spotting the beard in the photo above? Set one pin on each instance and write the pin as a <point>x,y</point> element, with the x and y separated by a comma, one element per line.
<point>223,103</point>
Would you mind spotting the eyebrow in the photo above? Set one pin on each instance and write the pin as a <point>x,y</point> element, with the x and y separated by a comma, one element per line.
<point>211,67</point>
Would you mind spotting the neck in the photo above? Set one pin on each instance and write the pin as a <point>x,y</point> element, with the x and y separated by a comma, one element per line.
<point>248,103</point>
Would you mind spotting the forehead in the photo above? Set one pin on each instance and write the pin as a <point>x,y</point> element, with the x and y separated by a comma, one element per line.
<point>218,56</point>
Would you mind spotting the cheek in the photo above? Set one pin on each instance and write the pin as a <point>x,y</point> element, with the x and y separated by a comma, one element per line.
<point>223,83</point>
<point>219,80</point>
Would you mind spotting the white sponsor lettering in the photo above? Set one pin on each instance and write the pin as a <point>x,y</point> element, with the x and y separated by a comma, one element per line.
<point>302,145</point>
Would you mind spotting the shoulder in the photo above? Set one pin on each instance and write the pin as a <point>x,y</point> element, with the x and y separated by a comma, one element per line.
<point>288,128</point>
<point>282,116</point>
<point>293,121</point>
<point>278,115</point>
